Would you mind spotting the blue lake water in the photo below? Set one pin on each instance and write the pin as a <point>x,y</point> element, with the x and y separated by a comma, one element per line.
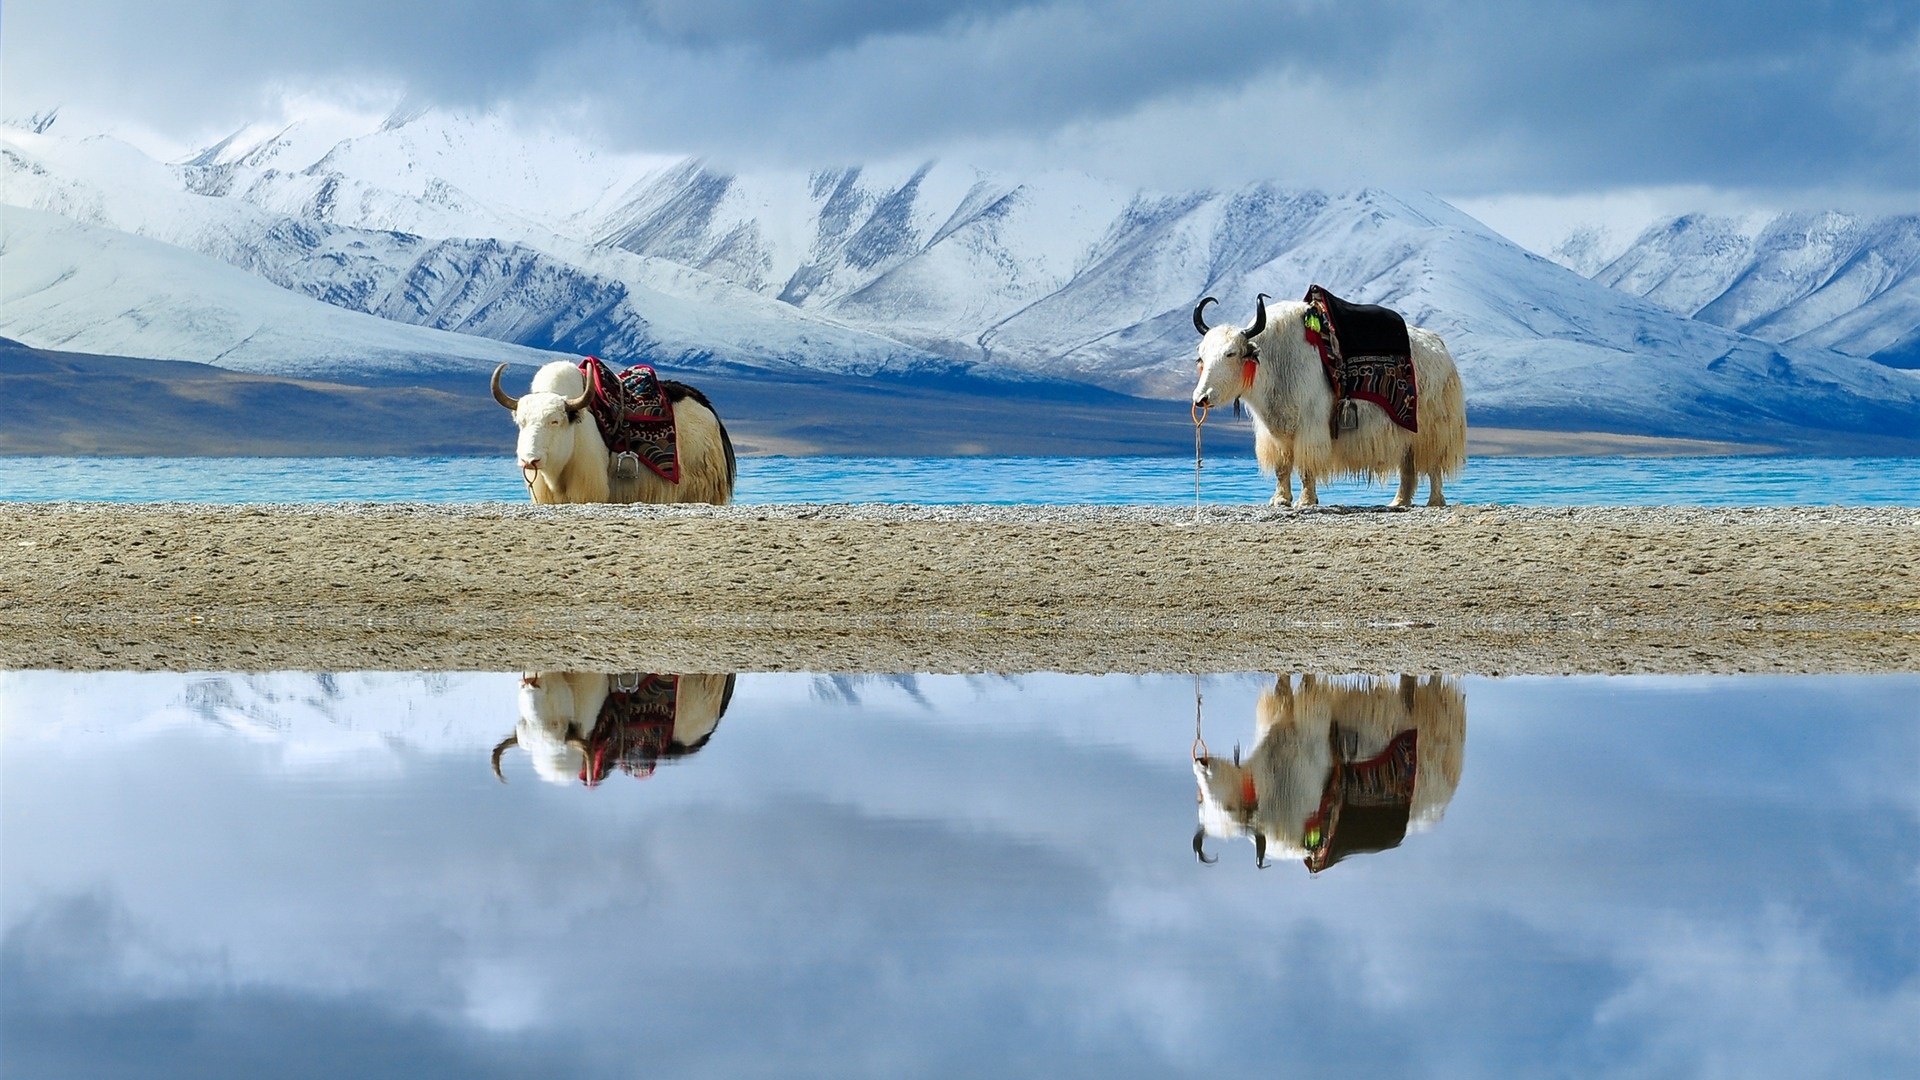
<point>1616,481</point>
<point>318,875</point>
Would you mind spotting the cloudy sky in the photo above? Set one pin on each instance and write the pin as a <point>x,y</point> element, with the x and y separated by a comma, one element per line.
<point>315,875</point>
<point>1800,103</point>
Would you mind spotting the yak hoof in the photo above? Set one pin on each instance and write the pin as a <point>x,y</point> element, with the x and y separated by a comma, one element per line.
<point>1281,501</point>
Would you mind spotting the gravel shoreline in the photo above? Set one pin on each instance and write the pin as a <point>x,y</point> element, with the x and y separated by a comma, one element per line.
<point>883,587</point>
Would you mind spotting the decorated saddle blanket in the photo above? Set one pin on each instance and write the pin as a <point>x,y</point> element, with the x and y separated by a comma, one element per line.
<point>1366,353</point>
<point>635,727</point>
<point>1365,805</point>
<point>635,416</point>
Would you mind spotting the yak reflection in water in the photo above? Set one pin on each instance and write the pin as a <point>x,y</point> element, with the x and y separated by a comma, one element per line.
<point>1339,767</point>
<point>582,725</point>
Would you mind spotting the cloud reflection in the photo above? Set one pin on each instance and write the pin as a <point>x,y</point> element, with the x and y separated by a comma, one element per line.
<point>953,875</point>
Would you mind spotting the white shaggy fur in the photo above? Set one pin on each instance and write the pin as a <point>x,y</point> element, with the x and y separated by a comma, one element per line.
<point>567,461</point>
<point>1291,758</point>
<point>559,708</point>
<point>1292,403</point>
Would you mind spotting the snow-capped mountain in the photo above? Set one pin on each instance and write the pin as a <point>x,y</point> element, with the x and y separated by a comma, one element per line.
<point>1828,280</point>
<point>474,277</point>
<point>465,224</point>
<point>84,288</point>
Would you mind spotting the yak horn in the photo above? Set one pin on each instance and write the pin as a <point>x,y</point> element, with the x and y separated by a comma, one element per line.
<point>575,404</point>
<point>500,395</point>
<point>1199,323</point>
<point>511,740</point>
<point>1199,848</point>
<point>1259,318</point>
<point>1259,850</point>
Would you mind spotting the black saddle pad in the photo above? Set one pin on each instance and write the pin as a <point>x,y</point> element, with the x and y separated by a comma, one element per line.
<point>1367,329</point>
<point>1367,355</point>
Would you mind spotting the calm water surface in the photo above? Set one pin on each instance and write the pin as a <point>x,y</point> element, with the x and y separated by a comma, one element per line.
<point>1714,481</point>
<point>319,875</point>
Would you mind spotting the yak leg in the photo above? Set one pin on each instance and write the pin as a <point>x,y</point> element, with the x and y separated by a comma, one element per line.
<point>1435,497</point>
<point>1308,495</point>
<point>1282,488</point>
<point>1408,480</point>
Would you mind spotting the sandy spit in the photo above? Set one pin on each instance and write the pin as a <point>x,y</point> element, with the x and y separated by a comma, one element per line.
<point>1465,589</point>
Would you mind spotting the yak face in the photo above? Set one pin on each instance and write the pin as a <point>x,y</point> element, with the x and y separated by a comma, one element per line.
<point>1228,358</point>
<point>546,432</point>
<point>1225,807</point>
<point>549,728</point>
<point>546,415</point>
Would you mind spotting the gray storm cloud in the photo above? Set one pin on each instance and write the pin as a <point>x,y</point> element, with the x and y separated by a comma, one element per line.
<point>1464,97</point>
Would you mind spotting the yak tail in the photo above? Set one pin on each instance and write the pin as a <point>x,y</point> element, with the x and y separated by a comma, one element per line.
<point>727,442</point>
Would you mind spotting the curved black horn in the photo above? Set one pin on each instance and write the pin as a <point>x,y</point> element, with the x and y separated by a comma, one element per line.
<point>500,395</point>
<point>1260,850</point>
<point>1199,323</point>
<point>1199,848</point>
<point>511,740</point>
<point>1259,318</point>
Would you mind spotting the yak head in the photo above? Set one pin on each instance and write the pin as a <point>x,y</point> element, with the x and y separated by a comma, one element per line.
<point>1229,357</point>
<point>547,415</point>
<point>1227,802</point>
<point>557,710</point>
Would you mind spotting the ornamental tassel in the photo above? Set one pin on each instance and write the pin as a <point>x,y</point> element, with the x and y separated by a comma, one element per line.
<point>1246,373</point>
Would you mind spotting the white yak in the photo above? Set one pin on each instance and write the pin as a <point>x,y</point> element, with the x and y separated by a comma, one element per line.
<point>565,460</point>
<point>565,724</point>
<point>1286,795</point>
<point>1272,367</point>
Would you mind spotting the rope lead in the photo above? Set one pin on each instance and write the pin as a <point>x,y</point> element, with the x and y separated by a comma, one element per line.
<point>1199,418</point>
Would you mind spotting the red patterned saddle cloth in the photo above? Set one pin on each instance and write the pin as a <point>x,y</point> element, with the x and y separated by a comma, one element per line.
<point>1365,805</point>
<point>635,727</point>
<point>1366,353</point>
<point>635,415</point>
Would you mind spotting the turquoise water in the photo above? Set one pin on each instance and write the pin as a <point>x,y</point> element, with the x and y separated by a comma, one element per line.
<point>1613,481</point>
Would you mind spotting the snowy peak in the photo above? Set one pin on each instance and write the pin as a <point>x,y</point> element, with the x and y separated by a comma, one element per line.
<point>1710,327</point>
<point>1817,279</point>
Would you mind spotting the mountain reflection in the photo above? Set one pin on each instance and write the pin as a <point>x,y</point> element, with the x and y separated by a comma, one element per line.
<point>583,725</point>
<point>1339,767</point>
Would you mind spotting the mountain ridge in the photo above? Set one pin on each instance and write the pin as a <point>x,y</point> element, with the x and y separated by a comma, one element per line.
<point>458,224</point>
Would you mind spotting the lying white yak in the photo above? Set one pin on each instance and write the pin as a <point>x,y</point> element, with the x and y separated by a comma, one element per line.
<point>565,460</point>
<point>1286,795</point>
<point>565,724</point>
<point>1271,366</point>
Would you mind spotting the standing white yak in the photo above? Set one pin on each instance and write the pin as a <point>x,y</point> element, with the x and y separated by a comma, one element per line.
<point>565,460</point>
<point>1340,767</point>
<point>1272,367</point>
